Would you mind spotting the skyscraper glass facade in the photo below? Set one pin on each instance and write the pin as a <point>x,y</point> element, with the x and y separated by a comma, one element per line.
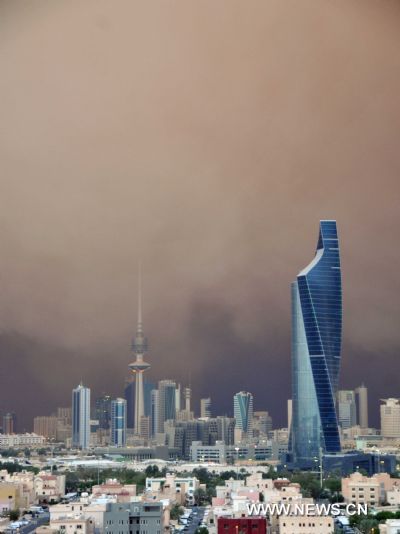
<point>316,348</point>
<point>118,422</point>
<point>81,417</point>
<point>103,411</point>
<point>346,408</point>
<point>243,411</point>
<point>154,416</point>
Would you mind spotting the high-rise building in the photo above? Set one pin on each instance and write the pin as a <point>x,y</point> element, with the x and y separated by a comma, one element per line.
<point>65,413</point>
<point>103,411</point>
<point>137,517</point>
<point>205,407</point>
<point>362,396</point>
<point>118,422</point>
<point>316,349</point>
<point>139,366</point>
<point>289,413</point>
<point>243,413</point>
<point>64,424</point>
<point>178,398</point>
<point>154,415</point>
<point>185,414</point>
<point>145,427</point>
<point>347,411</point>
<point>181,434</point>
<point>226,429</point>
<point>130,394</point>
<point>390,418</point>
<point>147,389</point>
<point>235,525</point>
<point>46,426</point>
<point>187,393</point>
<point>9,423</point>
<point>166,402</point>
<point>81,417</point>
<point>262,423</point>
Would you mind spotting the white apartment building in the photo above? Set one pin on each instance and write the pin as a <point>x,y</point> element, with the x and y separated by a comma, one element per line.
<point>10,441</point>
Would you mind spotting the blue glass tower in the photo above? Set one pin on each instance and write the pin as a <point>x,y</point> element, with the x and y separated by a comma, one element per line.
<point>316,347</point>
<point>118,422</point>
<point>243,411</point>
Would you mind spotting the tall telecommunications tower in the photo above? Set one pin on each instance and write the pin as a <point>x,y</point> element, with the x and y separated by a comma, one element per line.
<point>139,366</point>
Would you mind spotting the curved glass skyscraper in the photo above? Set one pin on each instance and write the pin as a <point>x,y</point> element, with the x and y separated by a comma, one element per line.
<point>316,346</point>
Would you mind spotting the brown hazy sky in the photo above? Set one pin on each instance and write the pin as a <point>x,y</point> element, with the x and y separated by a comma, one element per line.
<point>206,138</point>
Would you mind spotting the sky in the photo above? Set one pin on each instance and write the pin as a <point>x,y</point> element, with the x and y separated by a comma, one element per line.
<point>206,140</point>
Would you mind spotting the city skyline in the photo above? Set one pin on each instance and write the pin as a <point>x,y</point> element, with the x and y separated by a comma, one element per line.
<point>183,138</point>
<point>140,346</point>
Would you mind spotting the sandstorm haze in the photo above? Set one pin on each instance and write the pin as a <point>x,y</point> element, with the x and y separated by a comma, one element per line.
<point>206,139</point>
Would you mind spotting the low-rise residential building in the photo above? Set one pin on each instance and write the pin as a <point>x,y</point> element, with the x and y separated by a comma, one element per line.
<point>49,488</point>
<point>11,497</point>
<point>256,480</point>
<point>181,489</point>
<point>113,488</point>
<point>294,524</point>
<point>73,525</point>
<point>222,453</point>
<point>33,489</point>
<point>105,514</point>
<point>393,496</point>
<point>134,518</point>
<point>360,489</point>
<point>93,510</point>
<point>392,526</point>
<point>46,529</point>
<point>233,525</point>
<point>25,495</point>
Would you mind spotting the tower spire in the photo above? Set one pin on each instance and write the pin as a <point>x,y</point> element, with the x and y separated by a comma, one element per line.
<point>140,320</point>
<point>139,343</point>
